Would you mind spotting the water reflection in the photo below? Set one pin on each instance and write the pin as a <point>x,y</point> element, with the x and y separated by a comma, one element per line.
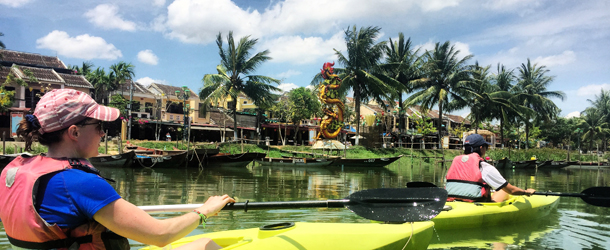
<point>575,224</point>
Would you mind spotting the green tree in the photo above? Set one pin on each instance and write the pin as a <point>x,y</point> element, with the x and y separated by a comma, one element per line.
<point>362,72</point>
<point>102,84</point>
<point>2,46</point>
<point>445,73</point>
<point>533,94</point>
<point>84,70</point>
<point>303,105</point>
<point>593,123</point>
<point>235,74</point>
<point>503,81</point>
<point>7,97</point>
<point>602,103</point>
<point>403,65</point>
<point>121,73</point>
<point>281,111</point>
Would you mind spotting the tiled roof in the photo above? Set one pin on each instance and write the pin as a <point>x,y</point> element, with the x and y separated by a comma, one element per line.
<point>170,90</point>
<point>219,118</point>
<point>42,74</point>
<point>139,88</point>
<point>31,59</point>
<point>4,71</point>
<point>75,81</point>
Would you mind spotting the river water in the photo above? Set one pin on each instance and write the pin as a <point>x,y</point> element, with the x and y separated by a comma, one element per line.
<point>573,225</point>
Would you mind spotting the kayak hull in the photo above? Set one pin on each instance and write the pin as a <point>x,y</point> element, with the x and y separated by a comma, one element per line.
<point>304,235</point>
<point>484,214</point>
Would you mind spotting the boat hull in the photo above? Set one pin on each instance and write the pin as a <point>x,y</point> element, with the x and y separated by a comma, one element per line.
<point>177,160</point>
<point>232,160</point>
<point>303,235</point>
<point>371,162</point>
<point>474,215</point>
<point>124,160</point>
<point>293,162</point>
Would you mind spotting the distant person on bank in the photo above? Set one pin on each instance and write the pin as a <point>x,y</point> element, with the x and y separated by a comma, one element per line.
<point>58,200</point>
<point>470,178</point>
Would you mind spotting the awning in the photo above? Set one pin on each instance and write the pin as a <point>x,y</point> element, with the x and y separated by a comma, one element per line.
<point>211,129</point>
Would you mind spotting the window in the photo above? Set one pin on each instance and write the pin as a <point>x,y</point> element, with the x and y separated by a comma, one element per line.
<point>202,110</point>
<point>171,117</point>
<point>245,102</point>
<point>148,107</point>
<point>144,115</point>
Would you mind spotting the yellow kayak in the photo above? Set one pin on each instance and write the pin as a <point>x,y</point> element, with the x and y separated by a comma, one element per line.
<point>479,214</point>
<point>303,235</point>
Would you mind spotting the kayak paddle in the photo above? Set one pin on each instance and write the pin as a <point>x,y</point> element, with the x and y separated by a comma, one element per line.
<point>596,196</point>
<point>380,204</point>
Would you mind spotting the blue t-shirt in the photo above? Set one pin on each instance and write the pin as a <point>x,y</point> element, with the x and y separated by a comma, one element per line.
<point>71,197</point>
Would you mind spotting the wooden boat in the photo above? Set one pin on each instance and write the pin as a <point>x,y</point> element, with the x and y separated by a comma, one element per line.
<point>543,164</point>
<point>503,163</point>
<point>593,163</point>
<point>525,164</point>
<point>232,160</point>
<point>197,157</point>
<point>167,159</point>
<point>370,162</point>
<point>124,160</point>
<point>301,162</point>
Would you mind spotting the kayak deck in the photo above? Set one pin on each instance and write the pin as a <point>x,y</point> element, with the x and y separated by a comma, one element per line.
<point>472,215</point>
<point>303,235</point>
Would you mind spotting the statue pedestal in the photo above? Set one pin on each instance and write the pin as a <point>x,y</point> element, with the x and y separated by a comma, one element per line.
<point>328,144</point>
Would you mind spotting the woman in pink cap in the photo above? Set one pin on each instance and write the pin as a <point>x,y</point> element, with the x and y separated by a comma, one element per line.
<point>58,200</point>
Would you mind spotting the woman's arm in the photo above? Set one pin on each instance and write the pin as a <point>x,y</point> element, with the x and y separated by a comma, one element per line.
<point>132,222</point>
<point>517,191</point>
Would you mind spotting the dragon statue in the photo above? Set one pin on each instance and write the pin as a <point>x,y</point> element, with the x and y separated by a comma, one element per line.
<point>333,108</point>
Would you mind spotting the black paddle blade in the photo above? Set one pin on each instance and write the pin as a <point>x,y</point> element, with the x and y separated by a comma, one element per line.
<point>398,204</point>
<point>419,184</point>
<point>597,196</point>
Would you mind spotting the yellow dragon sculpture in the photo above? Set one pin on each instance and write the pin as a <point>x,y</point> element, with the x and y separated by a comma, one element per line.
<point>333,108</point>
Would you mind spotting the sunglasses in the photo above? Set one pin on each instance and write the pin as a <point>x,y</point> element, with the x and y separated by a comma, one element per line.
<point>99,127</point>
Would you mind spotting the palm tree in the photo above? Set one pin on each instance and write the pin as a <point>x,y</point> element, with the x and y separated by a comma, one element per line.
<point>121,73</point>
<point>602,103</point>
<point>445,74</point>
<point>235,74</point>
<point>403,65</point>
<point>84,70</point>
<point>102,84</point>
<point>503,80</point>
<point>361,72</point>
<point>2,46</point>
<point>532,87</point>
<point>593,123</point>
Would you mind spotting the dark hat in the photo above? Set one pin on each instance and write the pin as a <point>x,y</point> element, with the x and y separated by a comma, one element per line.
<point>475,140</point>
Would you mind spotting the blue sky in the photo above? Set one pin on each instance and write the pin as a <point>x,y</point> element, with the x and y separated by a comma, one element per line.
<point>173,42</point>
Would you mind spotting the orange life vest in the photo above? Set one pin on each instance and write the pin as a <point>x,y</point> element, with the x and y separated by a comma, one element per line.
<point>23,225</point>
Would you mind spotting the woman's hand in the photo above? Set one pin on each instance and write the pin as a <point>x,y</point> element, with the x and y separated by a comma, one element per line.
<point>529,192</point>
<point>214,204</point>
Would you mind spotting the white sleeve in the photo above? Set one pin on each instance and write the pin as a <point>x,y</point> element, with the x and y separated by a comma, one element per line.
<point>492,177</point>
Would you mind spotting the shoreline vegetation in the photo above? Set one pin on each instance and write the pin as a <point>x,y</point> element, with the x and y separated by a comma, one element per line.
<point>353,152</point>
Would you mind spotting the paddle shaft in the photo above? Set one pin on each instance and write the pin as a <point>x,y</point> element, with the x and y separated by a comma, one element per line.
<point>250,205</point>
<point>580,195</point>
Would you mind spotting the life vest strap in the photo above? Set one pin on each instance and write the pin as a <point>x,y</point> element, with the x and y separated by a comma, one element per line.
<point>54,244</point>
<point>469,182</point>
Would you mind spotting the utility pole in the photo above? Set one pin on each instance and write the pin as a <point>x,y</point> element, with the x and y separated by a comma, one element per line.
<point>129,112</point>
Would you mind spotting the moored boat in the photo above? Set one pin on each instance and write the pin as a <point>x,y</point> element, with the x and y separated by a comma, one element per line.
<point>294,161</point>
<point>232,160</point>
<point>370,162</point>
<point>124,160</point>
<point>554,165</point>
<point>198,156</point>
<point>164,160</point>
<point>304,235</point>
<point>503,163</point>
<point>483,214</point>
<point>525,164</point>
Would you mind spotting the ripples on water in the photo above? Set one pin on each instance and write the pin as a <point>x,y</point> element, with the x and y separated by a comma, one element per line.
<point>575,224</point>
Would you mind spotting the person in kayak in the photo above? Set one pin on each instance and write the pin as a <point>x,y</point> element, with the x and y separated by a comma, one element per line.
<point>58,200</point>
<point>470,178</point>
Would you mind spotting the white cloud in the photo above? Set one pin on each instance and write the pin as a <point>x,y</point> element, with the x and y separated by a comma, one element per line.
<point>83,47</point>
<point>592,90</point>
<point>14,3</point>
<point>158,3</point>
<point>573,114</point>
<point>564,58</point>
<point>106,16</point>
<point>147,81</point>
<point>287,86</point>
<point>288,73</point>
<point>148,57</point>
<point>298,50</point>
<point>436,5</point>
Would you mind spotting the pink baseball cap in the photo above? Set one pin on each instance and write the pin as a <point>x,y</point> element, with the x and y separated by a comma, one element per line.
<point>62,108</point>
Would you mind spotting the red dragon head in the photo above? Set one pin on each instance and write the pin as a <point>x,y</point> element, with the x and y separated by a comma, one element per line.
<point>327,69</point>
